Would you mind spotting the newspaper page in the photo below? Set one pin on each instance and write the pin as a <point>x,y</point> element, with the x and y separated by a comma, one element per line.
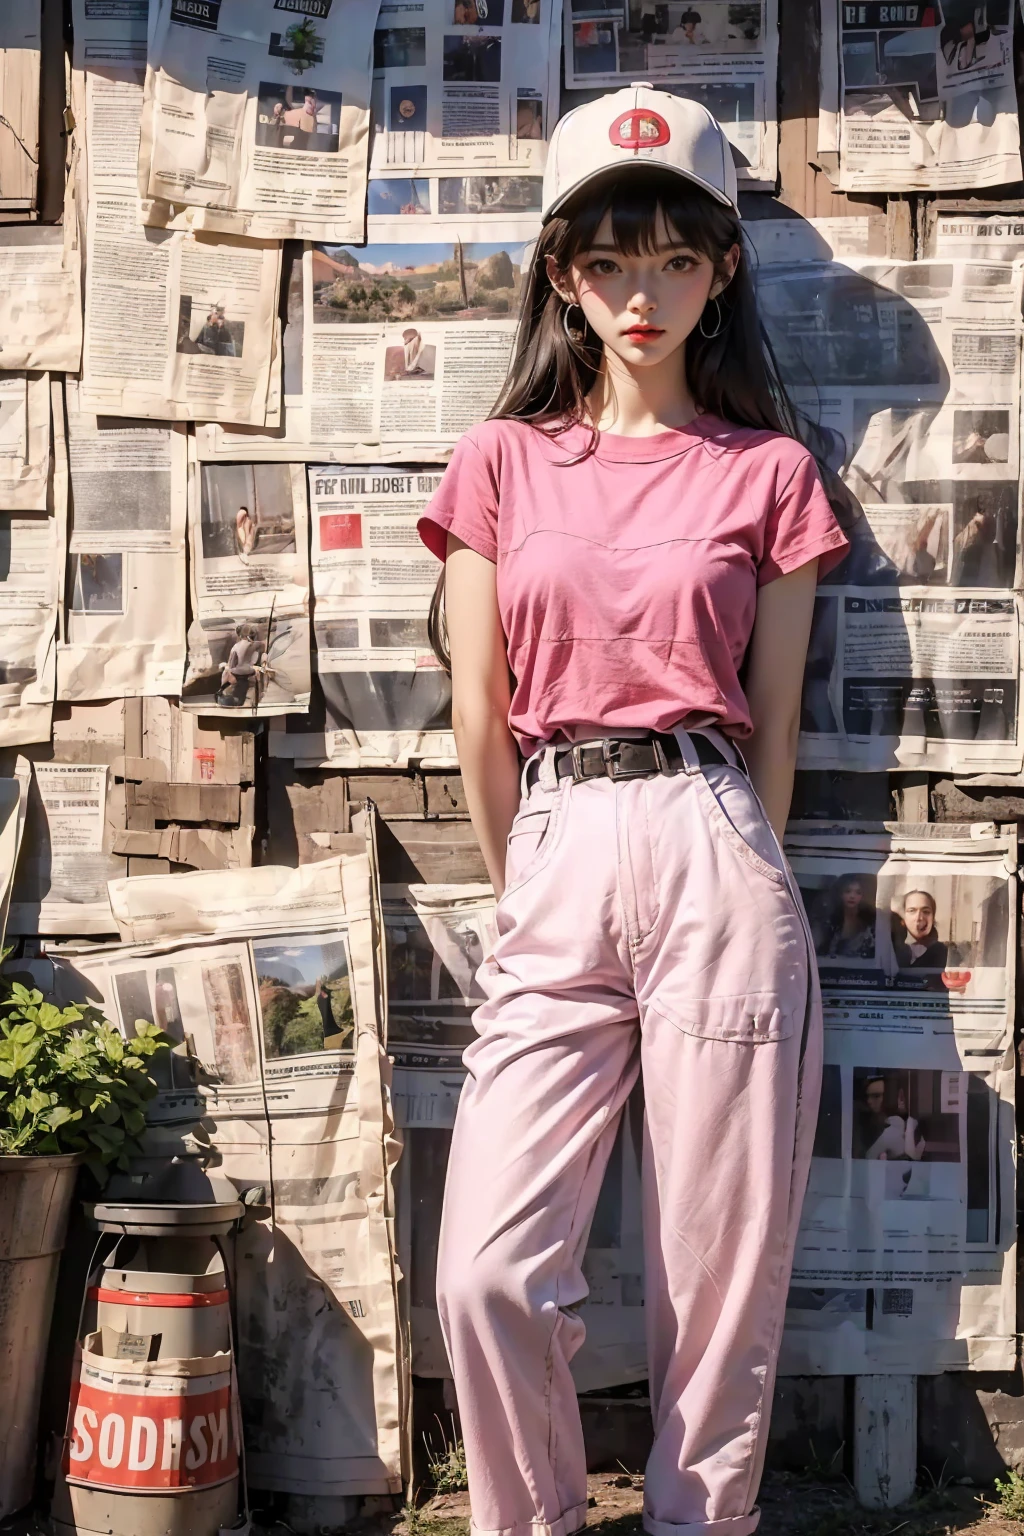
<point>265,979</point>
<point>178,326</point>
<point>965,235</point>
<point>905,1260</point>
<point>927,97</point>
<point>716,52</point>
<point>436,937</point>
<point>910,374</point>
<point>124,601</point>
<point>20,59</point>
<point>404,347</point>
<point>464,86</point>
<point>40,297</point>
<point>11,827</point>
<point>493,205</point>
<point>386,698</point>
<point>257,117</point>
<point>24,441</point>
<point>248,643</point>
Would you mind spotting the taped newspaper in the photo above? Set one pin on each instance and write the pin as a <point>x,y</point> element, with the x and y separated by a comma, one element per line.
<point>40,297</point>
<point>910,374</point>
<point>403,348</point>
<point>905,1260</point>
<point>248,643</point>
<point>718,53</point>
<point>20,60</point>
<point>24,441</point>
<point>257,117</point>
<point>464,86</point>
<point>386,699</point>
<point>265,980</point>
<point>965,235</point>
<point>124,608</point>
<point>922,96</point>
<point>178,326</point>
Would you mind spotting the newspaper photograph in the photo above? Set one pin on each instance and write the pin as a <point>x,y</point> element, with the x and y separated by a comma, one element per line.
<point>257,117</point>
<point>463,86</point>
<point>124,600</point>
<point>40,297</point>
<point>386,698</point>
<point>926,98</point>
<point>248,644</point>
<point>178,326</point>
<point>498,205</point>
<point>717,52</point>
<point>25,406</point>
<point>265,981</point>
<point>20,59</point>
<point>905,1259</point>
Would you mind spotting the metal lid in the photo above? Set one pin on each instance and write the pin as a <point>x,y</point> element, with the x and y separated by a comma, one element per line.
<point>165,1219</point>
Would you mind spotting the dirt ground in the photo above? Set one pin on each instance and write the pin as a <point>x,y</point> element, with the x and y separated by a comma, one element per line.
<point>791,1506</point>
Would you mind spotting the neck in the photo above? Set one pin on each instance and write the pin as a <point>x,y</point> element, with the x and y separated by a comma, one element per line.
<point>639,402</point>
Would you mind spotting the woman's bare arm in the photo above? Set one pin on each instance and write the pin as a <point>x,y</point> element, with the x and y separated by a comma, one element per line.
<point>775,674</point>
<point>481,694</point>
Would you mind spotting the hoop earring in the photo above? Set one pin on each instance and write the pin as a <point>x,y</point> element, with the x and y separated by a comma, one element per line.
<point>710,335</point>
<point>573,336</point>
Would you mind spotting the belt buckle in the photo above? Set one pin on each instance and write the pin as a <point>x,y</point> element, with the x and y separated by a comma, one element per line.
<point>611,753</point>
<point>576,758</point>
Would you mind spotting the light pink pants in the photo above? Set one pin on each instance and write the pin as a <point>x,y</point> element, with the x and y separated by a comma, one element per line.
<point>647,925</point>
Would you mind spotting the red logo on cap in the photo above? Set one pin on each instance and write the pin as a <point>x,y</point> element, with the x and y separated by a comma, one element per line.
<point>639,129</point>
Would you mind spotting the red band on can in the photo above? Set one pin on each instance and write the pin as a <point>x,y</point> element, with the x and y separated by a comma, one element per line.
<point>159,1298</point>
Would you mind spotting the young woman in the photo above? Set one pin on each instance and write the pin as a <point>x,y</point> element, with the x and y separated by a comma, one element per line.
<point>632,545</point>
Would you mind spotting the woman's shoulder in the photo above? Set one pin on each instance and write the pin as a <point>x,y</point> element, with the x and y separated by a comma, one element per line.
<point>759,445</point>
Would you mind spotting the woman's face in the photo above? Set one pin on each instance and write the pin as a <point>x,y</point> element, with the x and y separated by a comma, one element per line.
<point>642,307</point>
<point>853,895</point>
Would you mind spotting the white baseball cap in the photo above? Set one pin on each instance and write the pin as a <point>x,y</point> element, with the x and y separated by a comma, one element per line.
<point>638,126</point>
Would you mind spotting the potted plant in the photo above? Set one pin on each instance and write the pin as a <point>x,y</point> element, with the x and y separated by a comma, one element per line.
<point>72,1091</point>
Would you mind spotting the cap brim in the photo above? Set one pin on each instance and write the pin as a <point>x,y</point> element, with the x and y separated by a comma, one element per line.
<point>606,172</point>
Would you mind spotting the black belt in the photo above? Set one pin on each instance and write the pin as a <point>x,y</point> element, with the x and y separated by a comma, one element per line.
<point>622,757</point>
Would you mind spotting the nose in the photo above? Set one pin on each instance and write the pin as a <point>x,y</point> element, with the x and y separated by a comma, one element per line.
<point>642,304</point>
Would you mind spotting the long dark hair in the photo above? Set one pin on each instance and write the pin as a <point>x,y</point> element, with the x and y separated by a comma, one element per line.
<point>730,366</point>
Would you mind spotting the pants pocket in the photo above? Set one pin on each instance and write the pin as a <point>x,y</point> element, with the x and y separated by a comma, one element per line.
<point>529,843</point>
<point>757,1018</point>
<point>742,821</point>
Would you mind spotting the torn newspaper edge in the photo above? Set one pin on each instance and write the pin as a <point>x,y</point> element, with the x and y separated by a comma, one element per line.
<point>905,1260</point>
<point>266,981</point>
<point>124,607</point>
<point>926,95</point>
<point>248,643</point>
<point>257,117</point>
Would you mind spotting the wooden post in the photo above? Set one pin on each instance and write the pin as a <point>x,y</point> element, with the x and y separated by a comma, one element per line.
<point>884,1440</point>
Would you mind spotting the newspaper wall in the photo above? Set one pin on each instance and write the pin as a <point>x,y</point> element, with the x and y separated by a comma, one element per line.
<point>386,699</point>
<point>716,52</point>
<point>265,979</point>
<point>178,326</point>
<point>124,600</point>
<point>906,1254</point>
<point>911,372</point>
<point>462,87</point>
<point>256,118</point>
<point>248,642</point>
<point>404,347</point>
<point>919,97</point>
<point>20,57</point>
<point>24,441</point>
<point>40,297</point>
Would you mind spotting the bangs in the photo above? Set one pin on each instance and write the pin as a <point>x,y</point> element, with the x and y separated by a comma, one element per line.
<point>634,199</point>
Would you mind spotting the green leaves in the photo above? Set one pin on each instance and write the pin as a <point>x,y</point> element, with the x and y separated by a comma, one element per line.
<point>69,1082</point>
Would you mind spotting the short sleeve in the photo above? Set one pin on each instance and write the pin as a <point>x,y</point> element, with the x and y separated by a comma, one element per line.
<point>465,503</point>
<point>802,527</point>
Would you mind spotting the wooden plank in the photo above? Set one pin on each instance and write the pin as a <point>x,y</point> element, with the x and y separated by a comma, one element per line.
<point>394,794</point>
<point>953,802</point>
<point>445,795</point>
<point>433,851</point>
<point>884,1440</point>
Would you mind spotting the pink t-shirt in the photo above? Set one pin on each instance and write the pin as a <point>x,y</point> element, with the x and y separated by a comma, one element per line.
<point>627,581</point>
